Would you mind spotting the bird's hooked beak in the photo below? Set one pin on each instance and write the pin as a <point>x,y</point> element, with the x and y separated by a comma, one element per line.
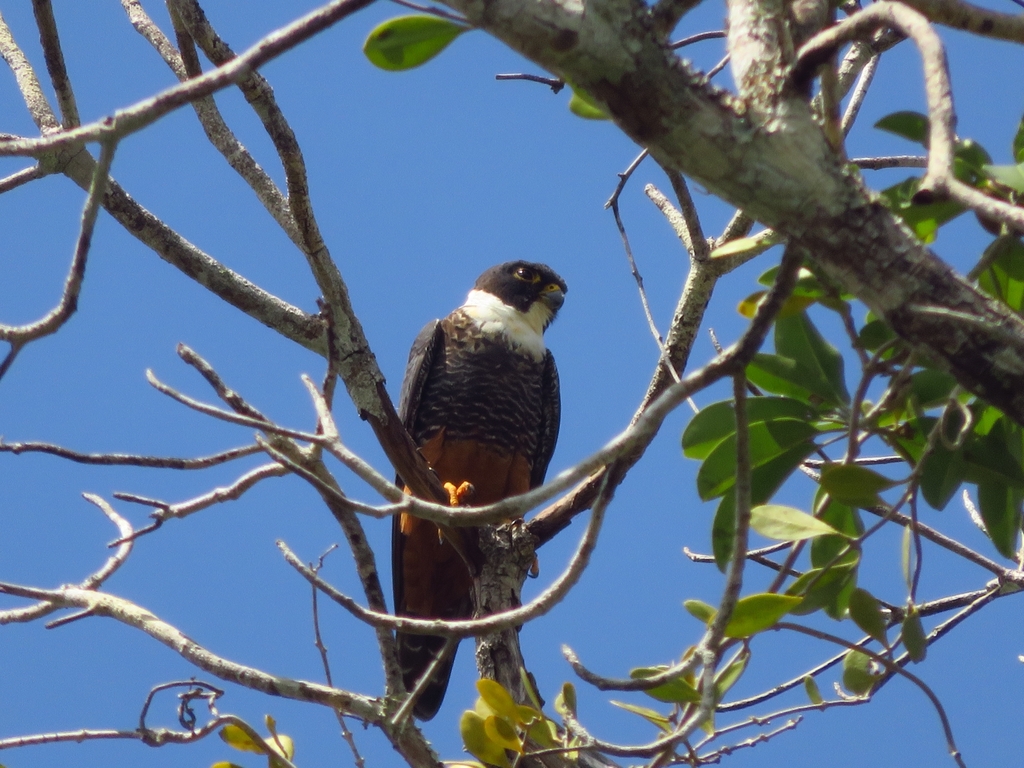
<point>553,296</point>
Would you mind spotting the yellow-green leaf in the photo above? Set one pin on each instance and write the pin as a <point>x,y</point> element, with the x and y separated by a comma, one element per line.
<point>477,742</point>
<point>727,677</point>
<point>676,691</point>
<point>647,714</point>
<point>699,610</point>
<point>498,699</point>
<point>866,613</point>
<point>747,246</point>
<point>813,693</point>
<point>235,737</point>
<point>500,731</point>
<point>914,639</point>
<point>565,701</point>
<point>527,715</point>
<point>405,42</point>
<point>583,105</point>
<point>854,485</point>
<point>787,524</point>
<point>756,613</point>
<point>544,733</point>
<point>283,745</point>
<point>858,678</point>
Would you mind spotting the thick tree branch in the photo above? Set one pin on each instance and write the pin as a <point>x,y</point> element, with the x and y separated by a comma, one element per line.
<point>781,171</point>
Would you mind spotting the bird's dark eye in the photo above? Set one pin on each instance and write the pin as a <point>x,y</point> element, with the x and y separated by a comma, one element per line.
<point>526,274</point>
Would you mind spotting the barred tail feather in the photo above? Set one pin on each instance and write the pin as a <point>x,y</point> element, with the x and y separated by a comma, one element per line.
<point>415,655</point>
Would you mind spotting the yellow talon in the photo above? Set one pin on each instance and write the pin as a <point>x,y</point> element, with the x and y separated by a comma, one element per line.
<point>458,495</point>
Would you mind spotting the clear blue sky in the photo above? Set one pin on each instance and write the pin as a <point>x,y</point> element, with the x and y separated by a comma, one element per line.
<point>420,181</point>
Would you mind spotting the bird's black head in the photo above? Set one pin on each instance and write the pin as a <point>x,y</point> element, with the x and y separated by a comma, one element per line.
<point>521,284</point>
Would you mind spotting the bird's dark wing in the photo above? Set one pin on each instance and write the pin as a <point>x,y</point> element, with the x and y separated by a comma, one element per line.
<point>417,651</point>
<point>551,416</point>
<point>421,359</point>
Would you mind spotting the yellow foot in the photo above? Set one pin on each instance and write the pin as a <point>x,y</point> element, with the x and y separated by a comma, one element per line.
<point>458,496</point>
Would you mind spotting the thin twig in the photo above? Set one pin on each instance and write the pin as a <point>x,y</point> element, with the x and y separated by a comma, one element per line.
<point>318,641</point>
<point>94,580</point>
<point>859,92</point>
<point>700,37</point>
<point>539,606</point>
<point>23,176</point>
<point>890,161</point>
<point>219,495</point>
<point>54,58</point>
<point>554,83</point>
<point>127,459</point>
<point>892,667</point>
<point>18,336</point>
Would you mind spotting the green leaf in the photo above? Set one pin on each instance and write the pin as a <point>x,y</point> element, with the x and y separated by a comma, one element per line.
<point>825,588</point>
<point>793,305</point>
<point>970,161</point>
<point>854,485</point>
<point>796,337</point>
<point>909,125</point>
<point>1004,278</point>
<point>699,610</point>
<point>907,556</point>
<point>405,42</point>
<point>728,677</point>
<point>874,334</point>
<point>723,531</point>
<point>565,701</point>
<point>807,284</point>
<point>1000,508</point>
<point>751,246</point>
<point>866,613</point>
<point>530,687</point>
<point>1011,176</point>
<point>764,482</point>
<point>238,739</point>
<point>858,678</point>
<point>498,699</point>
<point>995,456</point>
<point>813,693</point>
<point>675,691</point>
<point>500,731</point>
<point>478,743</point>
<point>768,440</point>
<point>787,524</point>
<point>544,733</point>
<point>785,376</point>
<point>844,519</point>
<point>582,104</point>
<point>924,218</point>
<point>1018,143</point>
<point>930,387</point>
<point>943,470</point>
<point>757,613</point>
<point>717,421</point>
<point>647,714</point>
<point>914,639</point>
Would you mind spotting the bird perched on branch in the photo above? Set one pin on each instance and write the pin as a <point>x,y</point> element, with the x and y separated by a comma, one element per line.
<point>480,399</point>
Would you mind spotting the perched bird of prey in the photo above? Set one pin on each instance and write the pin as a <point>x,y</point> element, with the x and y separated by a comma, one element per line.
<point>480,399</point>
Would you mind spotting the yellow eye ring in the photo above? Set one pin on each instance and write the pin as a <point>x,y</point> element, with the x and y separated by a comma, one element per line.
<point>526,274</point>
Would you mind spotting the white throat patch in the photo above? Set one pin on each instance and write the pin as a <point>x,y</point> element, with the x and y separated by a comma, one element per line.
<point>523,329</point>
